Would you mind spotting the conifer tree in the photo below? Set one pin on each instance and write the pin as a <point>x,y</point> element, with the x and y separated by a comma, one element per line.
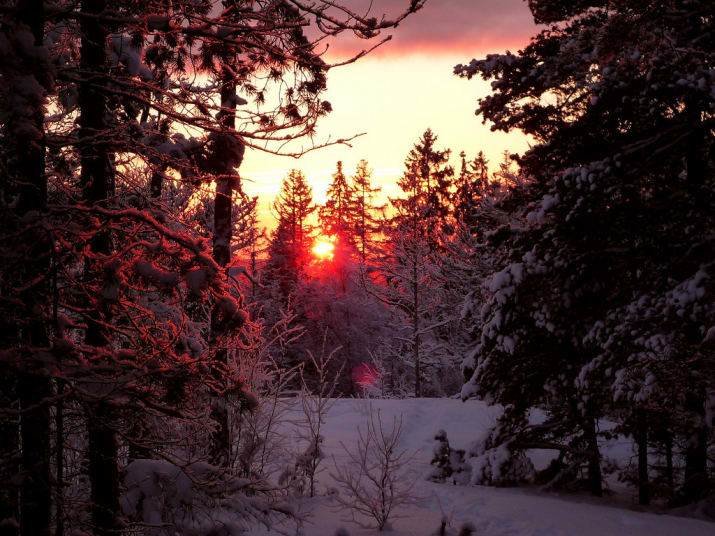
<point>426,183</point>
<point>471,185</point>
<point>408,262</point>
<point>28,78</point>
<point>336,214</point>
<point>505,174</point>
<point>604,292</point>
<point>97,271</point>
<point>365,212</point>
<point>288,249</point>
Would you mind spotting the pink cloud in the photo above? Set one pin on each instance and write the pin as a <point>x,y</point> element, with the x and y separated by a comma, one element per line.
<point>470,27</point>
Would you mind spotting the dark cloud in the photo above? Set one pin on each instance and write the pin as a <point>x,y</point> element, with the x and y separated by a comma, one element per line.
<point>448,26</point>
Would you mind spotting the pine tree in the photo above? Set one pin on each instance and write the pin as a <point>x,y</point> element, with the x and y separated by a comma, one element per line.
<point>288,249</point>
<point>605,285</point>
<point>28,78</point>
<point>365,222</point>
<point>427,185</point>
<point>407,267</point>
<point>505,174</point>
<point>98,182</point>
<point>471,186</point>
<point>99,275</point>
<point>336,214</point>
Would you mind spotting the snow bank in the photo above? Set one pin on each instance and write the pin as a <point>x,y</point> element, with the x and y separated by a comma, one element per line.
<point>493,511</point>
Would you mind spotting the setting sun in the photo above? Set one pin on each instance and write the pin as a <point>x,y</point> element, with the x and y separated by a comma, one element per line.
<point>324,248</point>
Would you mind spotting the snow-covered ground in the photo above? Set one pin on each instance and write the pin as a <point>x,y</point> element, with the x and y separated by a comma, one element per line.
<point>494,512</point>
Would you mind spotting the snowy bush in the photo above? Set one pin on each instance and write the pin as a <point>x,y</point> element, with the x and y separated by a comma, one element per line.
<point>498,463</point>
<point>195,499</point>
<point>314,404</point>
<point>372,481</point>
<point>448,463</point>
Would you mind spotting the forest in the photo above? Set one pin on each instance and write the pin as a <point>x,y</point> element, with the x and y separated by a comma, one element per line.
<point>521,345</point>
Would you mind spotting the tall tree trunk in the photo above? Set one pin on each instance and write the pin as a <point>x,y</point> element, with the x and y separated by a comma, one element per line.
<point>34,387</point>
<point>696,165</point>
<point>669,478</point>
<point>595,480</point>
<point>59,463</point>
<point>416,331</point>
<point>9,454</point>
<point>223,231</point>
<point>97,178</point>
<point>642,442</point>
<point>30,143</point>
<point>157,182</point>
<point>696,483</point>
<point>103,471</point>
<point>35,497</point>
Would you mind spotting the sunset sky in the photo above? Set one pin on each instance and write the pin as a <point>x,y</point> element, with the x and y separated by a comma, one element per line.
<point>400,90</point>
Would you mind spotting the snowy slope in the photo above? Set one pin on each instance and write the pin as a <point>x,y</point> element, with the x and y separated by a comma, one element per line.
<point>494,512</point>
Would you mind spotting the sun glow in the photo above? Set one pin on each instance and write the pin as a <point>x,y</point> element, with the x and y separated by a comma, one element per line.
<point>324,248</point>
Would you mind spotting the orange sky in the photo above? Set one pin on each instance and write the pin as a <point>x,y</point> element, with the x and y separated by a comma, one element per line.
<point>399,91</point>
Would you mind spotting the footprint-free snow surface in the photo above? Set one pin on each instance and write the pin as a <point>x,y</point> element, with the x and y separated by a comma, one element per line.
<point>492,511</point>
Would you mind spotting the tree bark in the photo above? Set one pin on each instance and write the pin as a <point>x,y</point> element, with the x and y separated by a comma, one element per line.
<point>9,454</point>
<point>97,177</point>
<point>696,483</point>
<point>223,231</point>
<point>595,480</point>
<point>416,326</point>
<point>642,442</point>
<point>34,387</point>
<point>103,471</point>
<point>668,441</point>
<point>34,427</point>
<point>157,182</point>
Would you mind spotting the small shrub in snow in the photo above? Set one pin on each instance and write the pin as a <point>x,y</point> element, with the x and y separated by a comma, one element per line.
<point>314,403</point>
<point>440,458</point>
<point>467,529</point>
<point>448,463</point>
<point>499,465</point>
<point>193,500</point>
<point>372,481</point>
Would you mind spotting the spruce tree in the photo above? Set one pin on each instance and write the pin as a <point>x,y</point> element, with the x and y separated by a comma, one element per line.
<point>336,214</point>
<point>415,236</point>
<point>427,183</point>
<point>100,278</point>
<point>289,246</point>
<point>471,185</point>
<point>365,212</point>
<point>604,293</point>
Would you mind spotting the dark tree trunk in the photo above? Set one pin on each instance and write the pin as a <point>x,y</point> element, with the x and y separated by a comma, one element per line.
<point>59,464</point>
<point>157,183</point>
<point>416,329</point>
<point>223,231</point>
<point>97,173</point>
<point>642,442</point>
<point>223,220</point>
<point>34,431</point>
<point>34,387</point>
<point>669,477</point>
<point>695,159</point>
<point>9,454</point>
<point>97,178</point>
<point>30,152</point>
<point>595,480</point>
<point>103,472</point>
<point>696,483</point>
